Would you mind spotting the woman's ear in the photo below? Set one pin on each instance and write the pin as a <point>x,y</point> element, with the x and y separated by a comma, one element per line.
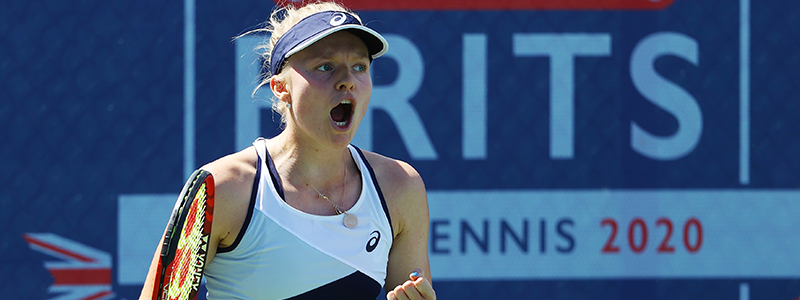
<point>279,89</point>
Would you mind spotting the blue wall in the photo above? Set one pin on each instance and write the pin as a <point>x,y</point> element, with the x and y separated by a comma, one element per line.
<point>525,119</point>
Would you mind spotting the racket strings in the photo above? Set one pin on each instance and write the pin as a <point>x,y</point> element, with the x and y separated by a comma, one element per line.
<point>186,273</point>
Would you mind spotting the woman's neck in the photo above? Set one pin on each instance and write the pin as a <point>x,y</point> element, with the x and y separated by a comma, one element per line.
<point>322,166</point>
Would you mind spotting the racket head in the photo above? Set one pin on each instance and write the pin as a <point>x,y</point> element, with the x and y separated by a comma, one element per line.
<point>183,253</point>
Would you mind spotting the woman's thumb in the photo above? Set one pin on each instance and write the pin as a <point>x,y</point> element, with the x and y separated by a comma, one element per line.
<point>417,274</point>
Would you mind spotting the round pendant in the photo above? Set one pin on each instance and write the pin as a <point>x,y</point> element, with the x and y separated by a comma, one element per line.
<point>350,221</point>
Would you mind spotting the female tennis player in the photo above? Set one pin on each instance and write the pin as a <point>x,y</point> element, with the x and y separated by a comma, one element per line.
<point>307,215</point>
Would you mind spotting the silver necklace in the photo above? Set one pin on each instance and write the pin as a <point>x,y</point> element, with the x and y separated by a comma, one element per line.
<point>350,220</point>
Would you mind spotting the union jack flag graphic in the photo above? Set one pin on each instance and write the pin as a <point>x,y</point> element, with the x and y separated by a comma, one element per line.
<point>82,273</point>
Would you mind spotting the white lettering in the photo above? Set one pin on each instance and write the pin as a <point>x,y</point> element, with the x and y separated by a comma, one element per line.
<point>395,100</point>
<point>562,50</point>
<point>473,117</point>
<point>666,95</point>
<point>200,264</point>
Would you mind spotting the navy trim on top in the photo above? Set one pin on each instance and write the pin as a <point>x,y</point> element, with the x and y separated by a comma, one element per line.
<point>273,174</point>
<point>377,187</point>
<point>357,285</point>
<point>250,209</point>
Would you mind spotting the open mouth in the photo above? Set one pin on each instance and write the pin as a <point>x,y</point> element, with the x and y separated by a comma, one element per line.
<point>342,113</point>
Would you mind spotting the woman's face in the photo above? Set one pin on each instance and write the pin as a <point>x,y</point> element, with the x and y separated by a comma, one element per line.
<point>330,87</point>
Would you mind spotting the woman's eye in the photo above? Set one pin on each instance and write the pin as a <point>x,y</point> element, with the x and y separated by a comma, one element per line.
<point>360,68</point>
<point>325,68</point>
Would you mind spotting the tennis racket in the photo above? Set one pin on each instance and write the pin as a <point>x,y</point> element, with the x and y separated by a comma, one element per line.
<point>183,254</point>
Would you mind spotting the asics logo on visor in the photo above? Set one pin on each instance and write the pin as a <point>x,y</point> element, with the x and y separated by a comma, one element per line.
<point>337,19</point>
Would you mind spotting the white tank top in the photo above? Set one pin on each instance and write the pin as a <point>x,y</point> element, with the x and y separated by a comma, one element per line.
<point>282,252</point>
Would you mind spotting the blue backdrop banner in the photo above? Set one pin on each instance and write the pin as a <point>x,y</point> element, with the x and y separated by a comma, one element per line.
<point>571,149</point>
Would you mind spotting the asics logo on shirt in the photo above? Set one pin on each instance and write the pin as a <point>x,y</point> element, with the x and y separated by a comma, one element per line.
<point>375,237</point>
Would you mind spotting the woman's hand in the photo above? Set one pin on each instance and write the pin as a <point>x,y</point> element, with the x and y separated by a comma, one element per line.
<point>418,288</point>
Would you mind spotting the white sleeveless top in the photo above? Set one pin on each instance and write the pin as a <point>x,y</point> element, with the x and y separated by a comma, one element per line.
<point>282,252</point>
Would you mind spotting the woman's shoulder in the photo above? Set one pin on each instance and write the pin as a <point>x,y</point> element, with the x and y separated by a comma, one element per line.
<point>233,179</point>
<point>402,188</point>
<point>233,182</point>
<point>394,173</point>
<point>234,169</point>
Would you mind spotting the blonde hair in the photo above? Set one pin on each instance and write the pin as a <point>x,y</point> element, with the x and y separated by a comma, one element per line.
<point>280,21</point>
